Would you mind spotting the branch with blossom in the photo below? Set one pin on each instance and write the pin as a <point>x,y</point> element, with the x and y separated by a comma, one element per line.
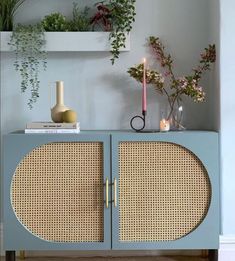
<point>152,77</point>
<point>176,86</point>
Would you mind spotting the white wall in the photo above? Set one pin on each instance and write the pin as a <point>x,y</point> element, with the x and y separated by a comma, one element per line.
<point>227,92</point>
<point>104,96</point>
<point>214,36</point>
<point>227,115</point>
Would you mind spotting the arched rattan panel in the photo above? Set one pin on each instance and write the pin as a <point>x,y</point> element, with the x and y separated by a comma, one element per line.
<point>57,192</point>
<point>164,191</point>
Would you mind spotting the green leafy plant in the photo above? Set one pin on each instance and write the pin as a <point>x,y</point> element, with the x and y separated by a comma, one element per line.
<point>167,83</point>
<point>123,13</point>
<point>8,9</point>
<point>102,19</point>
<point>118,16</point>
<point>28,43</point>
<point>81,20</point>
<point>55,22</point>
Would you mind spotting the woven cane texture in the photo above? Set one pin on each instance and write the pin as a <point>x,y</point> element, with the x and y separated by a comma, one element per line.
<point>57,192</point>
<point>164,191</point>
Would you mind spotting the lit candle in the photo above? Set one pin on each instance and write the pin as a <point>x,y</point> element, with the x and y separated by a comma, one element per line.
<point>144,91</point>
<point>164,125</point>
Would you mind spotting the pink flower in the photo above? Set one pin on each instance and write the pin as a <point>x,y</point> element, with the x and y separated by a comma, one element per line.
<point>183,82</point>
<point>167,73</point>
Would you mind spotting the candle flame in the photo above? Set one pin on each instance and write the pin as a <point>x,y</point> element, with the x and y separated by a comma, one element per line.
<point>144,60</point>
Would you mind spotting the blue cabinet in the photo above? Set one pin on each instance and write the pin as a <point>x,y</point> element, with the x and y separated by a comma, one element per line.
<point>162,188</point>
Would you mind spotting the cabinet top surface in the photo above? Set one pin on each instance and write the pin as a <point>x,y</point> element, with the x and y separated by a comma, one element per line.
<point>122,132</point>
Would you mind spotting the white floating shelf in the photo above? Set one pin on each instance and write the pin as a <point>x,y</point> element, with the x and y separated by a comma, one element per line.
<point>71,42</point>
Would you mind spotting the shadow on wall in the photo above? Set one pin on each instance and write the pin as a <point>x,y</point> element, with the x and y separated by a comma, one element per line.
<point>130,93</point>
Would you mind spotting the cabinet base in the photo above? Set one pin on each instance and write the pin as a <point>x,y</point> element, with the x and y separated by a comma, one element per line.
<point>10,256</point>
<point>213,255</point>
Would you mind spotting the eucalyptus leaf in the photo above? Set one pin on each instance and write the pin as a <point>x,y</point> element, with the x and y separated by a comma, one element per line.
<point>28,42</point>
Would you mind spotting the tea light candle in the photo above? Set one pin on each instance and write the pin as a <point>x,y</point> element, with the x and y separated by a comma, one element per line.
<point>164,125</point>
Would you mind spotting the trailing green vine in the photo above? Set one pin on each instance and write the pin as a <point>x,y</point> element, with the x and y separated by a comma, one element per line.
<point>123,13</point>
<point>117,17</point>
<point>28,43</point>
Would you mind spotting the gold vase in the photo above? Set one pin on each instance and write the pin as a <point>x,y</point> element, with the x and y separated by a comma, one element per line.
<point>59,108</point>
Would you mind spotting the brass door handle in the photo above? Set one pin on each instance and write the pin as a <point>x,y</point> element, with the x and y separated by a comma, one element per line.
<point>115,192</point>
<point>107,193</point>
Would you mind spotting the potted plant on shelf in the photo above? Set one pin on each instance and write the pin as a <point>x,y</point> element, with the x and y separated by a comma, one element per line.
<point>117,17</point>
<point>57,22</point>
<point>113,16</point>
<point>80,21</point>
<point>8,9</point>
<point>30,53</point>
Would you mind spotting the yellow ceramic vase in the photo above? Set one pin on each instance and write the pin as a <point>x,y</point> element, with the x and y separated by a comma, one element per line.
<point>59,108</point>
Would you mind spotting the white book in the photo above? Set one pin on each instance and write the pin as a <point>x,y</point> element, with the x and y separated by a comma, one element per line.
<point>52,125</point>
<point>52,130</point>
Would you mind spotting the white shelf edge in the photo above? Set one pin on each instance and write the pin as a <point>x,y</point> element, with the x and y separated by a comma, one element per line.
<point>71,42</point>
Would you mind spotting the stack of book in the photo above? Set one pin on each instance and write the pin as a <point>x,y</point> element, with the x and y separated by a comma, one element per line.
<point>51,127</point>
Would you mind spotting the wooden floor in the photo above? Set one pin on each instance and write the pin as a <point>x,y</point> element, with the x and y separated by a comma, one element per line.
<point>158,258</point>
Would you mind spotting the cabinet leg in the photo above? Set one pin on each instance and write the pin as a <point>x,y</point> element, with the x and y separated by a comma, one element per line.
<point>213,255</point>
<point>10,255</point>
<point>205,253</point>
<point>22,255</point>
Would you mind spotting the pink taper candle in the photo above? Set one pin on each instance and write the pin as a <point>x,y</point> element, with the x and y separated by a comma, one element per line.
<point>144,91</point>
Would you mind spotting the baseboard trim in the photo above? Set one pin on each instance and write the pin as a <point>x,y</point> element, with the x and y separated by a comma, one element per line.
<point>227,248</point>
<point>230,239</point>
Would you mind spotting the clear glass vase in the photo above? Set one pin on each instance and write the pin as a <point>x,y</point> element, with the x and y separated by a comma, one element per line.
<point>176,117</point>
<point>172,114</point>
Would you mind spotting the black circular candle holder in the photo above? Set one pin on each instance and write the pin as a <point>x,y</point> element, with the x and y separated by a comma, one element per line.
<point>142,118</point>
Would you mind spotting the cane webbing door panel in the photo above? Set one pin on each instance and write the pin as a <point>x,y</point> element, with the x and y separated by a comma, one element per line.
<point>60,199</point>
<point>57,192</point>
<point>164,192</point>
